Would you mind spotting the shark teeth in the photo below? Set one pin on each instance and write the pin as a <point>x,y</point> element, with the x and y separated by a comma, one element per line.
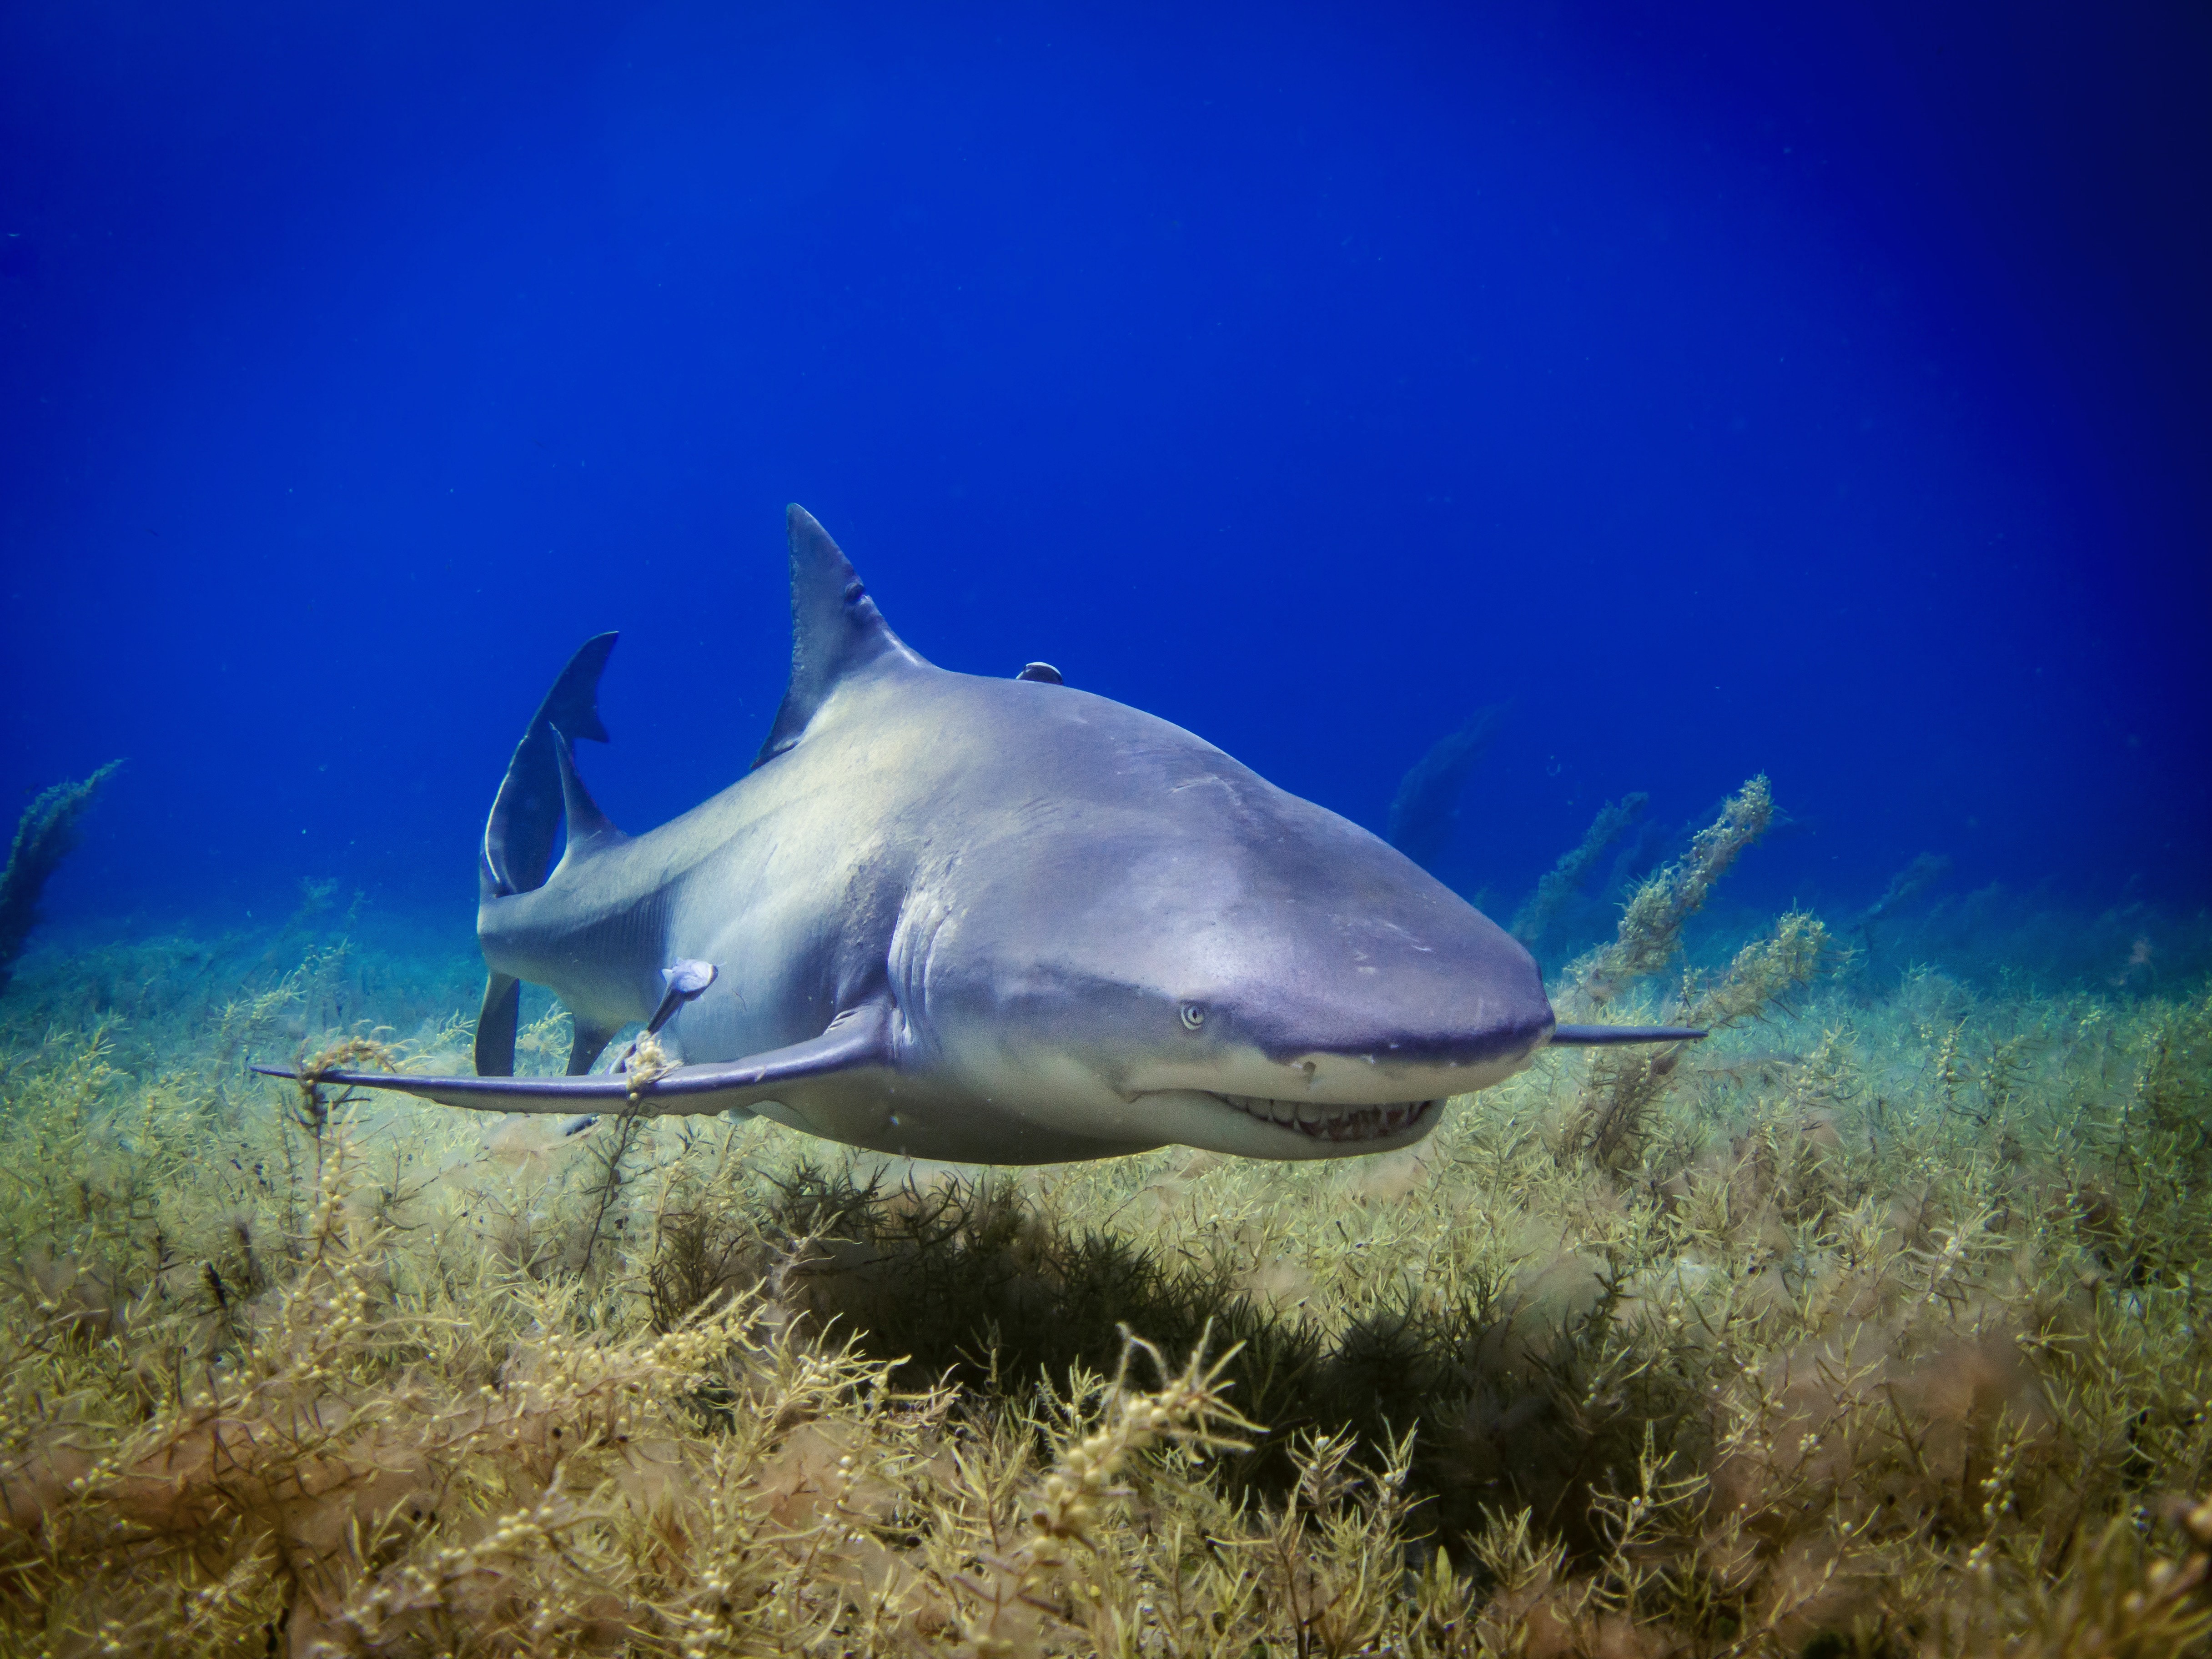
<point>1333,1123</point>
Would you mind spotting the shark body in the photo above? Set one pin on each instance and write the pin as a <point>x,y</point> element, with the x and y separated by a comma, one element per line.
<point>1001,921</point>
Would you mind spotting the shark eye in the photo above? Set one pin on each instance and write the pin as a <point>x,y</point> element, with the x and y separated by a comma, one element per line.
<point>1193,1015</point>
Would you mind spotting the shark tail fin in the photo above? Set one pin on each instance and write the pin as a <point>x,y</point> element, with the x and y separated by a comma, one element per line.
<point>525,814</point>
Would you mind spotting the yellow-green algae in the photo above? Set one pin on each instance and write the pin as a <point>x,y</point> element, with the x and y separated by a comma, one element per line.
<point>1875,1325</point>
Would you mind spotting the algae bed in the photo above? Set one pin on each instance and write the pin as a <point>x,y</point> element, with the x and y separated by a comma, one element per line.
<point>1874,1325</point>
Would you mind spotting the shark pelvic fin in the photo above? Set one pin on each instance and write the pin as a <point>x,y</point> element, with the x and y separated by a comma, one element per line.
<point>586,1046</point>
<point>857,1040</point>
<point>495,1025</point>
<point>525,814</point>
<point>835,630</point>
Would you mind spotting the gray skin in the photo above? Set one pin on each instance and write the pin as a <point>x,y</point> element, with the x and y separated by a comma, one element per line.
<point>992,920</point>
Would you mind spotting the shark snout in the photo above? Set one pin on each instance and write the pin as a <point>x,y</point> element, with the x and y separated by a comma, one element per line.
<point>1323,1102</point>
<point>1418,1069</point>
<point>1418,1034</point>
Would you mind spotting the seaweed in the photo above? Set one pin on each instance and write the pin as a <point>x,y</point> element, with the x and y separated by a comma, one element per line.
<point>1424,812</point>
<point>43,836</point>
<point>1623,1088</point>
<point>1926,871</point>
<point>1651,924</point>
<point>1560,882</point>
<point>1882,1331</point>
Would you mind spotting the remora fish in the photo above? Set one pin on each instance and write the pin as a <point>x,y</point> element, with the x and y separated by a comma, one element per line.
<point>997,921</point>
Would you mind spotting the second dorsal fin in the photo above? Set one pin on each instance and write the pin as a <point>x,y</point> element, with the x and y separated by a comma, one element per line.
<point>589,828</point>
<point>835,629</point>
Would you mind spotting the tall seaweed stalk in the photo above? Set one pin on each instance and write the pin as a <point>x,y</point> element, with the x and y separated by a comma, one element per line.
<point>1560,881</point>
<point>1622,1094</point>
<point>43,836</point>
<point>1652,926</point>
<point>1424,812</point>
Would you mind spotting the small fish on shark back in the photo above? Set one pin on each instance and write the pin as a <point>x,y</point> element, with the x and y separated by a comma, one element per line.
<point>877,936</point>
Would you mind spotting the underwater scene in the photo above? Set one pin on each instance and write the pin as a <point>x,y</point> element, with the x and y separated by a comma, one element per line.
<point>1413,844</point>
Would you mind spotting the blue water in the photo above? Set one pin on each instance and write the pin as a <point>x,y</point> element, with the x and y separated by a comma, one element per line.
<point>1817,390</point>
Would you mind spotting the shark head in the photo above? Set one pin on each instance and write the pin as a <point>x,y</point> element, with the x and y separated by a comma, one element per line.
<point>1157,943</point>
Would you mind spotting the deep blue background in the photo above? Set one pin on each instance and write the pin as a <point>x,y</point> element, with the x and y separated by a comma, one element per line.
<point>1818,390</point>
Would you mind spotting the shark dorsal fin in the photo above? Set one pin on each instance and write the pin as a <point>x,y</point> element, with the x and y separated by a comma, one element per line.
<point>588,827</point>
<point>835,630</point>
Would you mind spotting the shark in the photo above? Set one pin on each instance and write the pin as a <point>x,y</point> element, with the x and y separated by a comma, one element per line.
<point>981,919</point>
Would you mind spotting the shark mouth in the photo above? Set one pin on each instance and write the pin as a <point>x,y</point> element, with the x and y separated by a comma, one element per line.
<point>1333,1123</point>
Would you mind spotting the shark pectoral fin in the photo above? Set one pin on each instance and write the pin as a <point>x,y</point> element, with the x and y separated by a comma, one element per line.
<point>856,1040</point>
<point>601,1092</point>
<point>495,1025</point>
<point>1606,1036</point>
